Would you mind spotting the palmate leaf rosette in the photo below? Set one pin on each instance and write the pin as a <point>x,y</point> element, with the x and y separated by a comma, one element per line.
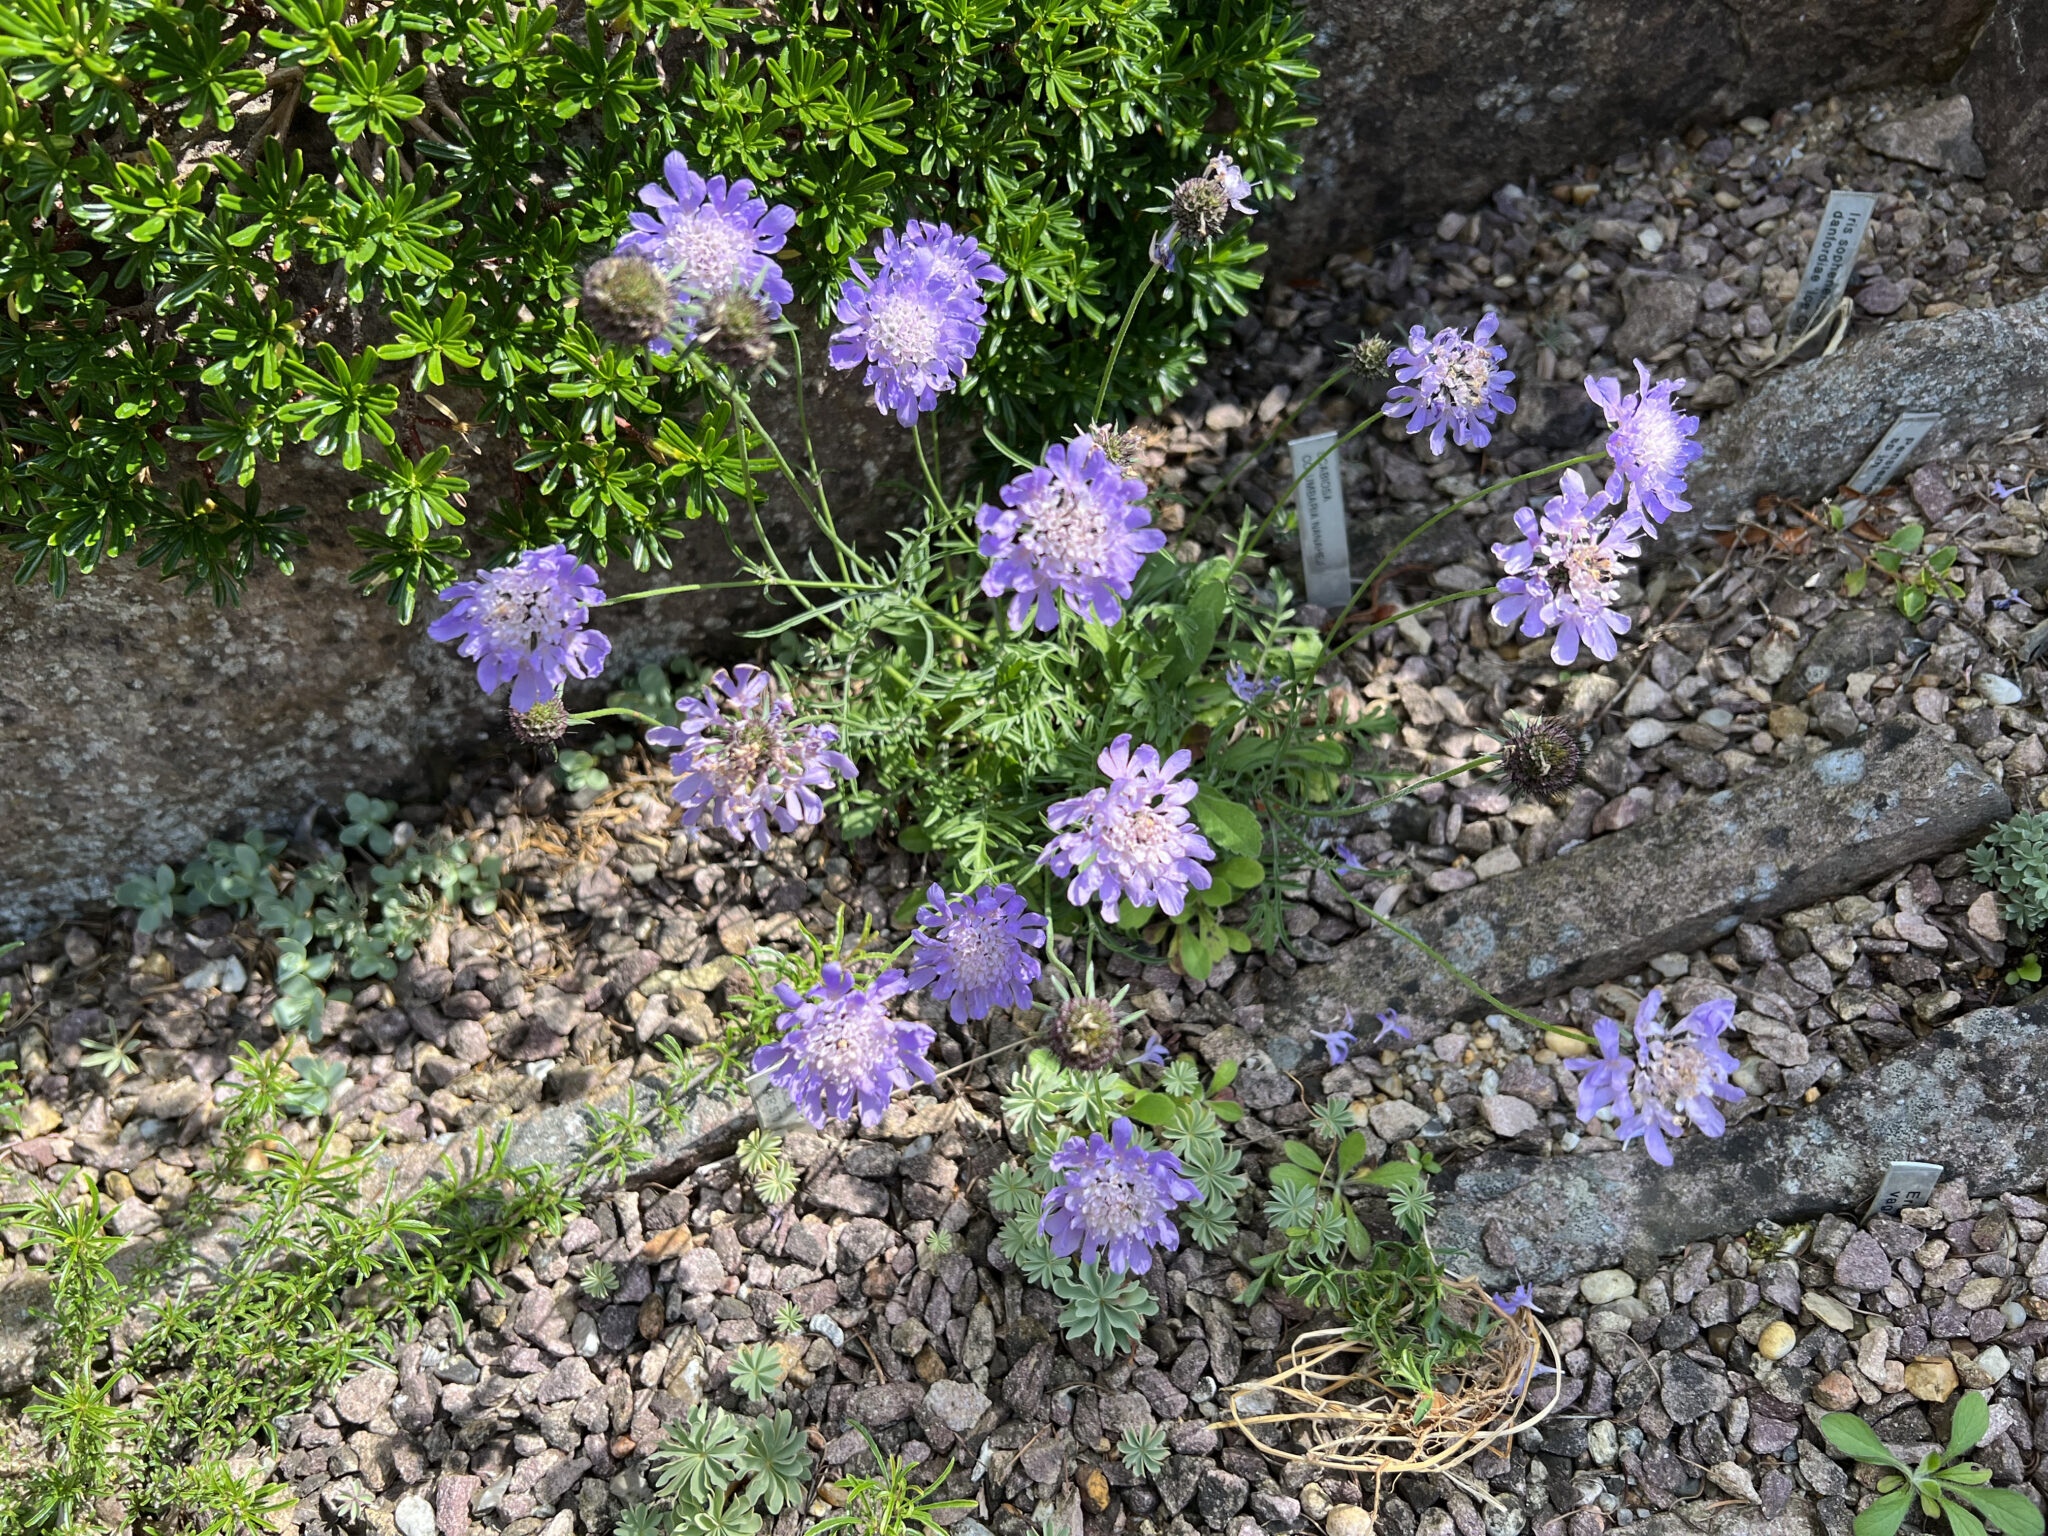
<point>1107,1310</point>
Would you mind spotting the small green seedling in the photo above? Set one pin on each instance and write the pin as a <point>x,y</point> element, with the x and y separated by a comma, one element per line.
<point>600,1280</point>
<point>2026,973</point>
<point>1143,1450</point>
<point>757,1370</point>
<point>1943,1482</point>
<point>1918,575</point>
<point>319,1083</point>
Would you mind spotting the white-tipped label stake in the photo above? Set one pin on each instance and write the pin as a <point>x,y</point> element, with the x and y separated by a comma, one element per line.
<point>1892,451</point>
<point>1828,264</point>
<point>1319,509</point>
<point>1905,1186</point>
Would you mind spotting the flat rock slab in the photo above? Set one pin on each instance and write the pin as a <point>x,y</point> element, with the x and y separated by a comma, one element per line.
<point>1804,430</point>
<point>1783,840</point>
<point>1966,1097</point>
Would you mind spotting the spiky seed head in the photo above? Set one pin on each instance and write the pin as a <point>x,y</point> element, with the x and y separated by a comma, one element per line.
<point>1541,757</point>
<point>627,301</point>
<point>1083,1032</point>
<point>541,726</point>
<point>1120,448</point>
<point>1368,357</point>
<point>736,331</point>
<point>1200,209</point>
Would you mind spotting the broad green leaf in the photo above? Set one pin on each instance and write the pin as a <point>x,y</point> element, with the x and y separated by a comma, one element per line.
<point>1908,538</point>
<point>2013,1513</point>
<point>1855,581</point>
<point>1350,1153</point>
<point>1225,1076</point>
<point>1194,633</point>
<point>1288,1173</point>
<point>1226,1111</point>
<point>1234,828</point>
<point>1888,1513</point>
<point>914,839</point>
<point>1960,1521</point>
<point>1241,872</point>
<point>1852,1437</point>
<point>1195,957</point>
<point>1154,1109</point>
<point>1912,602</point>
<point>1302,1156</point>
<point>1971,1423</point>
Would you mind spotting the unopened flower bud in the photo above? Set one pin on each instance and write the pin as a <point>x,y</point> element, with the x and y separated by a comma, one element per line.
<point>1367,357</point>
<point>735,330</point>
<point>1200,209</point>
<point>627,301</point>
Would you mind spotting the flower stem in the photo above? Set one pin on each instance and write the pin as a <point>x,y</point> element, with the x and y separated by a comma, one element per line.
<point>1265,441</point>
<point>1245,545</point>
<point>1109,367</point>
<point>599,714</point>
<point>1405,790</point>
<point>924,463</point>
<point>1406,613</point>
<point>1468,983</point>
<point>723,586</point>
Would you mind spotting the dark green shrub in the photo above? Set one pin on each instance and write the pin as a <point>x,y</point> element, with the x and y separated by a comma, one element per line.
<point>353,226</point>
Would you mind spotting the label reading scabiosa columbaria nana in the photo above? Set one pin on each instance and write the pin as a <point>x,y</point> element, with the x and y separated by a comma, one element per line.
<point>1892,451</point>
<point>1319,502</point>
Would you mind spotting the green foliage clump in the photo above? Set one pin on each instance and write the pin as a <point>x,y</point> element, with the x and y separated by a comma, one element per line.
<point>889,1503</point>
<point>714,1471</point>
<point>229,235</point>
<point>325,916</point>
<point>1391,1294</point>
<point>1946,1486</point>
<point>282,1272</point>
<point>2013,861</point>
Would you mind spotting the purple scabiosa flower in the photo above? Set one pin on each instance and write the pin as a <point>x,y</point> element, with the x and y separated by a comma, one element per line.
<point>1451,384</point>
<point>1347,858</point>
<point>841,1049</point>
<point>1249,689</point>
<point>710,238</point>
<point>1563,572</point>
<point>1605,1085</point>
<point>1154,1054</point>
<point>741,759</point>
<point>1520,1299</point>
<point>971,949</point>
<point>1680,1072</point>
<point>955,258</point>
<point>1114,1201</point>
<point>1074,527</point>
<point>913,324</point>
<point>1235,186</point>
<point>1390,1024</point>
<point>1651,443</point>
<point>523,623</point>
<point>1131,839</point>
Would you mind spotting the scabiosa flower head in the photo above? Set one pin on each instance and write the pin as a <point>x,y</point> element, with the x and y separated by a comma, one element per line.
<point>543,725</point>
<point>1564,570</point>
<point>627,301</point>
<point>1084,1029</point>
<point>1451,384</point>
<point>841,1049</point>
<point>1115,1201</point>
<point>1120,448</point>
<point>523,623</point>
<point>1540,756</point>
<point>1369,357</point>
<point>1390,1024</point>
<point>971,949</point>
<point>710,238</point>
<point>1131,839</point>
<point>1650,443</point>
<point>1338,1042</point>
<point>741,759</point>
<point>1680,1072</point>
<point>1605,1084</point>
<point>913,325</point>
<point>1074,527</point>
<point>954,258</point>
<point>1235,185</point>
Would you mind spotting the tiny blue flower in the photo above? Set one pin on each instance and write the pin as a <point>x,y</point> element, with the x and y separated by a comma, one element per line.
<point>1338,1042</point>
<point>1390,1024</point>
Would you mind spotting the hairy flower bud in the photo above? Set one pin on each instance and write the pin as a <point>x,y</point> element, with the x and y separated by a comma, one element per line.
<point>1120,448</point>
<point>543,725</point>
<point>1368,357</point>
<point>1083,1033</point>
<point>735,330</point>
<point>626,300</point>
<point>1541,757</point>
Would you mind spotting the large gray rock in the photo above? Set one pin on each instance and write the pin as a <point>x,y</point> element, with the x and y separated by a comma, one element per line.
<point>1805,428</point>
<point>1965,1097</point>
<point>1937,136</point>
<point>2004,80</point>
<point>1434,104</point>
<point>1780,841</point>
<point>144,720</point>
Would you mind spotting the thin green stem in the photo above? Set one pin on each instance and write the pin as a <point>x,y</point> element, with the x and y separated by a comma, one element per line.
<point>1406,613</point>
<point>1245,545</point>
<point>1402,793</point>
<point>1468,983</point>
<point>599,714</point>
<point>1116,347</point>
<point>1257,449</point>
<point>931,481</point>
<point>803,426</point>
<point>819,514</point>
<point>721,586</point>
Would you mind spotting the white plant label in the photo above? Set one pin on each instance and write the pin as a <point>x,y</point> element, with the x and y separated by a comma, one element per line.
<point>1842,224</point>
<point>1905,1185</point>
<point>1319,504</point>
<point>1892,451</point>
